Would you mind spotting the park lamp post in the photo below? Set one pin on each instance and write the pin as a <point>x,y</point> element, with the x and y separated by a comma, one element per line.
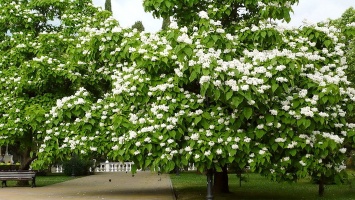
<point>73,165</point>
<point>209,184</point>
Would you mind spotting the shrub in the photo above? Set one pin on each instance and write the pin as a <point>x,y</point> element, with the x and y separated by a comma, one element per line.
<point>77,166</point>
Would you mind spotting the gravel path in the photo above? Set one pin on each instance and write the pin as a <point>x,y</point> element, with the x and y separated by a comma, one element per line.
<point>119,185</point>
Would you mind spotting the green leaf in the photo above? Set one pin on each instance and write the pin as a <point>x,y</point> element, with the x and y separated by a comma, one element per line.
<point>188,51</point>
<point>197,119</point>
<point>293,152</point>
<point>350,107</point>
<point>307,123</point>
<point>217,94</point>
<point>274,146</point>
<point>206,115</point>
<point>236,101</point>
<point>263,34</point>
<point>247,112</point>
<point>215,38</point>
<point>274,87</point>
<point>204,89</point>
<point>260,133</point>
<point>327,43</point>
<point>269,118</point>
<point>229,95</point>
<point>193,76</point>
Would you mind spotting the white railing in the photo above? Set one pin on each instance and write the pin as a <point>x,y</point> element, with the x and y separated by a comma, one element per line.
<point>102,167</point>
<point>111,167</point>
<point>114,167</point>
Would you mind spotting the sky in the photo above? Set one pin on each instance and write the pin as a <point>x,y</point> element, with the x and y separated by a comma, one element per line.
<point>127,12</point>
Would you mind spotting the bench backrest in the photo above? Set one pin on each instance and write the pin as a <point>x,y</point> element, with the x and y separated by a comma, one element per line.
<point>21,174</point>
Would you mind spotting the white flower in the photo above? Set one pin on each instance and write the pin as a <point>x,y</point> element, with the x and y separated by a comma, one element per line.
<point>207,153</point>
<point>280,140</point>
<point>235,146</point>
<point>247,140</point>
<point>188,149</point>
<point>148,140</point>
<point>211,143</point>
<point>184,38</point>
<point>273,112</point>
<point>219,151</point>
<point>302,93</point>
<point>307,111</point>
<point>261,152</point>
<point>204,79</point>
<point>195,136</point>
<point>244,87</point>
<point>302,163</point>
<point>203,14</point>
<point>280,67</point>
<point>342,150</point>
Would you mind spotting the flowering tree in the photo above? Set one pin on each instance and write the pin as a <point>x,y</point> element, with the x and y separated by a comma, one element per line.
<point>271,98</point>
<point>346,23</point>
<point>228,12</point>
<point>36,62</point>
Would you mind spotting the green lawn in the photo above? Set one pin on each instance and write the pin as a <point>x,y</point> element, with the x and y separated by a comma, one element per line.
<point>44,180</point>
<point>192,186</point>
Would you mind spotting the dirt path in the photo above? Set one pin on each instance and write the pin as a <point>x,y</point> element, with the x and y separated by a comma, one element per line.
<point>143,185</point>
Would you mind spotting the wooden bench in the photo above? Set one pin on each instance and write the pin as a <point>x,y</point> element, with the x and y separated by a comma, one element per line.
<point>18,176</point>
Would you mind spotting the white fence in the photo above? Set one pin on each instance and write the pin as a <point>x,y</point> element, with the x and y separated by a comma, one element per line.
<point>110,167</point>
<point>114,167</point>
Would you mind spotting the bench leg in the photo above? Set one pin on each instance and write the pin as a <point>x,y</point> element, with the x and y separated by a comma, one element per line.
<point>33,182</point>
<point>3,183</point>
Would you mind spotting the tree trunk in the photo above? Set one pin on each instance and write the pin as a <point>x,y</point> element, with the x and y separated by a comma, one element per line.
<point>26,161</point>
<point>321,186</point>
<point>221,181</point>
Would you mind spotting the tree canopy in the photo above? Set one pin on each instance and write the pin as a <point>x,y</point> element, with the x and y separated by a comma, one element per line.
<point>108,5</point>
<point>227,12</point>
<point>346,24</point>
<point>138,25</point>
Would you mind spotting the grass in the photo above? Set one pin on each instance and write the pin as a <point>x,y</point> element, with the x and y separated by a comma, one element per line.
<point>41,181</point>
<point>192,186</point>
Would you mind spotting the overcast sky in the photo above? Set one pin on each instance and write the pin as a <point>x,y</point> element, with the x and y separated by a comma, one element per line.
<point>129,11</point>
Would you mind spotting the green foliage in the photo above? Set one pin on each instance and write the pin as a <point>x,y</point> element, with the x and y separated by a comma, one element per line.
<point>228,12</point>
<point>139,26</point>
<point>108,5</point>
<point>347,25</point>
<point>166,23</point>
<point>77,166</point>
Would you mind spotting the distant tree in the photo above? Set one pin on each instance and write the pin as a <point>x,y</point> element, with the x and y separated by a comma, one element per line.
<point>228,12</point>
<point>108,5</point>
<point>346,24</point>
<point>166,23</point>
<point>138,25</point>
